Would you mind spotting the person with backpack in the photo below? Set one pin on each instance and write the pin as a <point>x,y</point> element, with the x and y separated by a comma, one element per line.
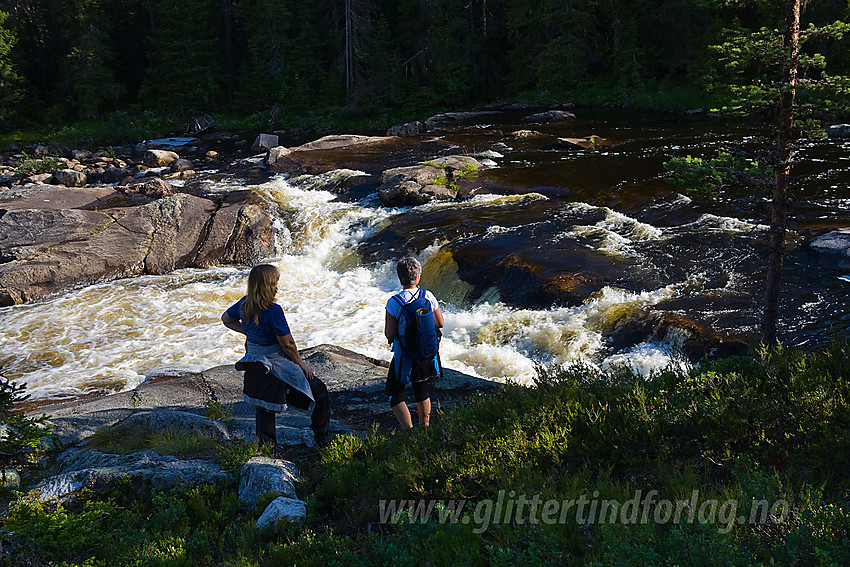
<point>411,326</point>
<point>275,374</point>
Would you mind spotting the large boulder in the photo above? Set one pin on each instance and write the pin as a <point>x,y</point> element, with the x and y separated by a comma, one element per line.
<point>262,475</point>
<point>429,181</point>
<point>49,250</point>
<point>70,178</point>
<point>283,509</point>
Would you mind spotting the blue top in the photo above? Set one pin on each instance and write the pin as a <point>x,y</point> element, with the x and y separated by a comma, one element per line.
<point>272,324</point>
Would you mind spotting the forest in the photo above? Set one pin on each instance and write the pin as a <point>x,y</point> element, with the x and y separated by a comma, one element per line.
<point>70,60</point>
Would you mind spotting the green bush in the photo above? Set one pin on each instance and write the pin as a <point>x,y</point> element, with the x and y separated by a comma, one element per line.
<point>714,175</point>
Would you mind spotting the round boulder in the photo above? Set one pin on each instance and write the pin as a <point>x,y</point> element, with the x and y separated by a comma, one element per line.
<point>159,158</point>
<point>70,178</point>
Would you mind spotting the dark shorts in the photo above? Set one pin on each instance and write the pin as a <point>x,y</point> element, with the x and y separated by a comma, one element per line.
<point>420,377</point>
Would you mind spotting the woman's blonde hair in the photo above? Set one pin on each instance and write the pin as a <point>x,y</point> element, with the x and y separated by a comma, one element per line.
<point>262,289</point>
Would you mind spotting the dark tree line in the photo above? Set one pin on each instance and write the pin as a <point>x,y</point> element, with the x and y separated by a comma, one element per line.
<point>79,58</point>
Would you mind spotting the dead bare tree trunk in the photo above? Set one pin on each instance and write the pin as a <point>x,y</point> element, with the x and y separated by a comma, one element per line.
<point>782,170</point>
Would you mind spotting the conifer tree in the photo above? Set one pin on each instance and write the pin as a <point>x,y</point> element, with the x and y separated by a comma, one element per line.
<point>19,435</point>
<point>10,82</point>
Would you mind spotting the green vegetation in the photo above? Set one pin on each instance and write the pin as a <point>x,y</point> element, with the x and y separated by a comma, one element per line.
<point>764,438</point>
<point>20,436</point>
<point>33,165</point>
<point>712,177</point>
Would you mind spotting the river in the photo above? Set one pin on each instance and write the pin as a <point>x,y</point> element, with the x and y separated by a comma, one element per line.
<point>564,256</point>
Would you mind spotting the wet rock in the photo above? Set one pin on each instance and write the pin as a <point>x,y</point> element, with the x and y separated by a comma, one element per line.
<point>264,142</point>
<point>98,471</point>
<point>549,116</point>
<point>150,187</point>
<point>70,178</point>
<point>180,422</point>
<point>419,184</point>
<point>570,289</point>
<point>448,119</point>
<point>114,175</point>
<point>180,164</point>
<point>331,152</point>
<point>185,174</point>
<point>838,131</point>
<point>576,144</point>
<point>262,475</point>
<point>835,242</point>
<point>241,232</point>
<point>408,129</point>
<point>38,178</point>
<point>81,155</point>
<point>283,509</point>
<point>158,158</point>
<point>523,134</point>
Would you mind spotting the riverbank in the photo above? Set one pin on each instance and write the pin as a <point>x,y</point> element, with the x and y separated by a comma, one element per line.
<point>741,462</point>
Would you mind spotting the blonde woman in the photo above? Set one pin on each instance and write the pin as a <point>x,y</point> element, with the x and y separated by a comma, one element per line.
<point>275,374</point>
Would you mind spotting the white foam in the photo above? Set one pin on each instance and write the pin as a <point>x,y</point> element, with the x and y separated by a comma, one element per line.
<point>614,234</point>
<point>715,223</point>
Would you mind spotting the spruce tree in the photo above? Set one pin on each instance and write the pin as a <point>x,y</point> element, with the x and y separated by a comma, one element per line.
<point>20,435</point>
<point>11,91</point>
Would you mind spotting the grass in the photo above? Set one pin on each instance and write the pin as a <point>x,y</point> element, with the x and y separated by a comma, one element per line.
<point>737,437</point>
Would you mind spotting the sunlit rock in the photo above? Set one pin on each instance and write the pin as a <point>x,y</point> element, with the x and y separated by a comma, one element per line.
<point>263,475</point>
<point>158,158</point>
<point>70,178</point>
<point>283,509</point>
<point>435,180</point>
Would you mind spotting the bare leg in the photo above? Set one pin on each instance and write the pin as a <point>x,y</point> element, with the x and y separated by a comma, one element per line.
<point>402,414</point>
<point>424,410</point>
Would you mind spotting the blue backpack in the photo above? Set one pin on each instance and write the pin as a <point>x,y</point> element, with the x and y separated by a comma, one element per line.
<point>416,330</point>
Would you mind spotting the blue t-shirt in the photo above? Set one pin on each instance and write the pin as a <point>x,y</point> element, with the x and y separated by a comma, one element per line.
<point>271,324</point>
